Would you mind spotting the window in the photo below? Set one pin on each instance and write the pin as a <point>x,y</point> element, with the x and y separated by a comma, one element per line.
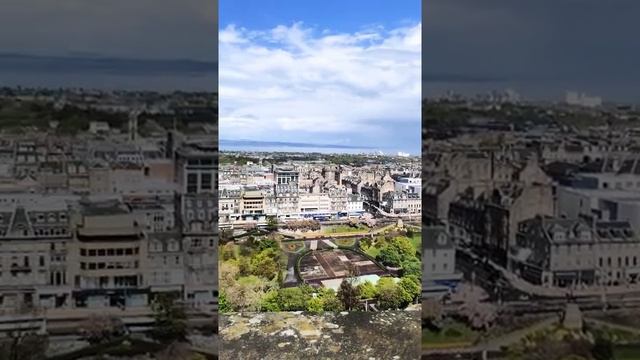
<point>205,181</point>
<point>192,183</point>
<point>41,260</point>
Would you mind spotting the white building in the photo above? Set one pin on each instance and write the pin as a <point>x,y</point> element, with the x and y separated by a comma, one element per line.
<point>582,99</point>
<point>97,127</point>
<point>409,184</point>
<point>439,275</point>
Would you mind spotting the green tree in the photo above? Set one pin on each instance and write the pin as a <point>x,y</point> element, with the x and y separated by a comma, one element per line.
<point>315,305</point>
<point>170,319</point>
<point>270,301</point>
<point>292,299</point>
<point>602,349</point>
<point>101,328</point>
<point>367,290</point>
<point>23,345</point>
<point>331,302</point>
<point>223,305</point>
<point>389,256</point>
<point>411,268</point>
<point>390,294</point>
<point>403,246</point>
<point>227,251</point>
<point>348,295</point>
<point>264,264</point>
<point>411,287</point>
<point>227,273</point>
<point>246,293</point>
<point>267,243</point>
<point>272,224</point>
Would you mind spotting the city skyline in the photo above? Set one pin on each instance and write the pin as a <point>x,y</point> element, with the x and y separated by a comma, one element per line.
<point>295,78</point>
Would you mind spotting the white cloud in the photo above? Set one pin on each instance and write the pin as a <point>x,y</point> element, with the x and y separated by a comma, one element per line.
<point>292,82</point>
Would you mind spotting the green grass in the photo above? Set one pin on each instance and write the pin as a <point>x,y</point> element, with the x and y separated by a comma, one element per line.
<point>372,251</point>
<point>345,242</point>
<point>626,352</point>
<point>453,334</point>
<point>416,241</point>
<point>342,229</point>
<point>292,246</point>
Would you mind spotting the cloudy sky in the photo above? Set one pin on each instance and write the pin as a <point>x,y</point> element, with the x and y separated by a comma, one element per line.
<point>116,43</point>
<point>330,72</point>
<point>540,48</point>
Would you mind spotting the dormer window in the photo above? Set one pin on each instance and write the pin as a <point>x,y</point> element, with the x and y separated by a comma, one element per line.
<point>157,246</point>
<point>585,235</point>
<point>559,236</point>
<point>173,245</point>
<point>442,239</point>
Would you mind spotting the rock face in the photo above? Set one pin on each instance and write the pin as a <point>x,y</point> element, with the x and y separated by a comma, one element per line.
<point>355,335</point>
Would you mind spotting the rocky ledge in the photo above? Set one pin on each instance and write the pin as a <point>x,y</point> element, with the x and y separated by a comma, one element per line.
<point>295,335</point>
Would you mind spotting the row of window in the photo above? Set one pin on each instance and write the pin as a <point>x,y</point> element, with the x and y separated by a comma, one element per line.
<point>109,252</point>
<point>109,265</point>
<point>199,203</point>
<point>51,217</point>
<point>627,261</point>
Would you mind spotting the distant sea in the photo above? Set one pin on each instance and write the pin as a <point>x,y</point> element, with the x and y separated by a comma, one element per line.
<point>295,149</point>
<point>268,146</point>
<point>107,73</point>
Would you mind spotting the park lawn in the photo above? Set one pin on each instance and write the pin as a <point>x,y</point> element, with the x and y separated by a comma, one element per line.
<point>345,242</point>
<point>342,229</point>
<point>416,241</point>
<point>631,352</point>
<point>372,251</point>
<point>453,334</point>
<point>292,246</point>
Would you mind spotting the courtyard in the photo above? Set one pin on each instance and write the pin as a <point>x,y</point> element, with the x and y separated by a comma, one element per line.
<point>317,266</point>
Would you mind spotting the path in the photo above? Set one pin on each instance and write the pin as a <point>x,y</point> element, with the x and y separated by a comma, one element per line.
<point>626,328</point>
<point>330,243</point>
<point>516,336</point>
<point>321,235</point>
<point>498,343</point>
<point>552,292</point>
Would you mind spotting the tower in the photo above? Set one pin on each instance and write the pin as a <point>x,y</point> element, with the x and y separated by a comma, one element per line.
<point>133,124</point>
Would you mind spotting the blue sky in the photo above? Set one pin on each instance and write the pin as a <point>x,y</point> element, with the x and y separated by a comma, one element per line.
<point>338,15</point>
<point>323,72</point>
